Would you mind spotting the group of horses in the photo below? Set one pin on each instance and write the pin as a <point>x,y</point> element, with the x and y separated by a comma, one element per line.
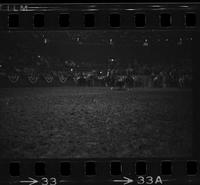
<point>128,81</point>
<point>107,78</point>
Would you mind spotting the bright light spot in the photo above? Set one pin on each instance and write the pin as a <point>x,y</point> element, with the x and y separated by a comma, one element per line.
<point>111,41</point>
<point>155,6</point>
<point>180,42</point>
<point>92,9</point>
<point>184,6</point>
<point>45,40</point>
<point>130,9</point>
<point>92,6</point>
<point>145,42</point>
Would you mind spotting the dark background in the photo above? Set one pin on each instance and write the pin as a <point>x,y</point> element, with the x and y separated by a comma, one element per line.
<point>94,47</point>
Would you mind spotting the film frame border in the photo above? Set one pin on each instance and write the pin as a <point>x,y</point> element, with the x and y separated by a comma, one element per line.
<point>179,167</point>
<point>153,16</point>
<point>103,175</point>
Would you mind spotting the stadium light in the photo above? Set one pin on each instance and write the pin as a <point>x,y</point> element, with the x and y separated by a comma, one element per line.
<point>180,42</point>
<point>145,42</point>
<point>45,40</point>
<point>166,39</point>
<point>111,41</point>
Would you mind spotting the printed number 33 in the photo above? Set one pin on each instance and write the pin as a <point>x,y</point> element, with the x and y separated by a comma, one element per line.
<point>46,181</point>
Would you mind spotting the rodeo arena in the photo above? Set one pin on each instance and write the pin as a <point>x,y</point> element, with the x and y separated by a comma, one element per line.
<point>95,93</point>
<point>113,71</point>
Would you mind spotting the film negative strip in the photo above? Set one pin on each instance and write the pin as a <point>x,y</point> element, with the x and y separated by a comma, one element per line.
<point>99,93</point>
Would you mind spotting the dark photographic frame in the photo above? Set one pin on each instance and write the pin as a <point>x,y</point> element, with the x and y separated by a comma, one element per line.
<point>102,14</point>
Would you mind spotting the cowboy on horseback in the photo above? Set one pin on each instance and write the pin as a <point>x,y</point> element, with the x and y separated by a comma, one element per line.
<point>129,77</point>
<point>111,73</point>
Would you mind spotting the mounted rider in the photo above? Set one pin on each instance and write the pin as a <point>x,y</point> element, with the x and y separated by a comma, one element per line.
<point>112,72</point>
<point>129,77</point>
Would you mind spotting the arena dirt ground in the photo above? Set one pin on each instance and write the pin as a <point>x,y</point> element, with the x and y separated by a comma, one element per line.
<point>65,122</point>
